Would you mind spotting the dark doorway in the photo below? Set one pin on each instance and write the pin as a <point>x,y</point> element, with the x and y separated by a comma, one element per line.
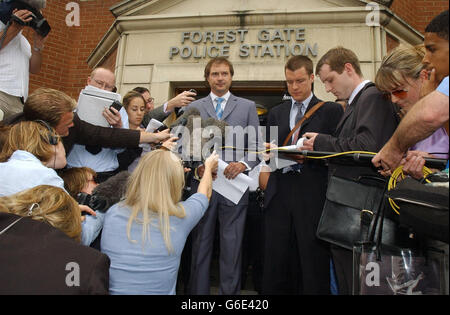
<point>265,94</point>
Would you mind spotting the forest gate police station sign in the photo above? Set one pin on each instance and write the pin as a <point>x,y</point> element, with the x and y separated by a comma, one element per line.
<point>272,43</point>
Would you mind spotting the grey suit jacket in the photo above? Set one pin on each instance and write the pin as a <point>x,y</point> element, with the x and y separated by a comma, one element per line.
<point>157,113</point>
<point>242,119</point>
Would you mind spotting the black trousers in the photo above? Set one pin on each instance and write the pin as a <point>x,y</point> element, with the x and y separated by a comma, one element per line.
<point>295,261</point>
<point>252,245</point>
<point>343,266</point>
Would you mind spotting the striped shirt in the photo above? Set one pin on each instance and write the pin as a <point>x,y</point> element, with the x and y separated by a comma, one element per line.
<point>15,66</point>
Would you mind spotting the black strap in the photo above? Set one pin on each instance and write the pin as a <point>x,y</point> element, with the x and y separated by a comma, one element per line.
<point>370,214</point>
<point>367,216</point>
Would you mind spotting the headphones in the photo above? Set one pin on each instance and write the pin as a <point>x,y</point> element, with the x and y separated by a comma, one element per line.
<point>52,139</point>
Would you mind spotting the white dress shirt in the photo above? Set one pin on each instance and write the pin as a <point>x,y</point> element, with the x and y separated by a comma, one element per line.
<point>104,161</point>
<point>23,171</point>
<point>294,111</point>
<point>214,98</point>
<point>357,90</point>
<point>15,66</point>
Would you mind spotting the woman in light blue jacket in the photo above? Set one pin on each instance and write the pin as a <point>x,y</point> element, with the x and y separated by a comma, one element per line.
<point>144,235</point>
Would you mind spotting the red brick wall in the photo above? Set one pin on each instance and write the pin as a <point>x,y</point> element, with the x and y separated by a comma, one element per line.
<point>418,13</point>
<point>67,48</point>
<point>391,42</point>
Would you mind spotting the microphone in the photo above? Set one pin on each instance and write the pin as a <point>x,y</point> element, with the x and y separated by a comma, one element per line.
<point>109,192</point>
<point>178,126</point>
<point>203,135</point>
<point>178,129</point>
<point>189,112</point>
<point>215,128</point>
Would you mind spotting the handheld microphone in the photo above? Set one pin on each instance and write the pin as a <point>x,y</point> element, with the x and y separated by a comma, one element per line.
<point>189,112</point>
<point>215,128</point>
<point>178,129</point>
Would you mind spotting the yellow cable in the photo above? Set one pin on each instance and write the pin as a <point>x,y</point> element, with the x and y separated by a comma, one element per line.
<point>309,157</point>
<point>393,183</point>
<point>339,154</point>
<point>392,180</point>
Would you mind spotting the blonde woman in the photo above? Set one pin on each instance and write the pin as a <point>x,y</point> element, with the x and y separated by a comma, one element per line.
<point>31,152</point>
<point>47,204</point>
<point>29,157</point>
<point>40,230</point>
<point>403,77</point>
<point>145,234</point>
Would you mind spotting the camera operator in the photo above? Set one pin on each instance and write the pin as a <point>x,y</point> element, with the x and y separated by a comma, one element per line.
<point>17,58</point>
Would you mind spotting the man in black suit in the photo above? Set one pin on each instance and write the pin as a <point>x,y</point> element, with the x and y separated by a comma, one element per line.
<point>367,124</point>
<point>295,195</point>
<point>57,109</point>
<point>36,258</point>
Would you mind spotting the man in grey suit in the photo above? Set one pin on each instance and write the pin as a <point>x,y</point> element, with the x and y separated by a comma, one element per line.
<point>236,112</point>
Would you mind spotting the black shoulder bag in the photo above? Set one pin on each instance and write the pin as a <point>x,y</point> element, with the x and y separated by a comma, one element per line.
<point>380,269</point>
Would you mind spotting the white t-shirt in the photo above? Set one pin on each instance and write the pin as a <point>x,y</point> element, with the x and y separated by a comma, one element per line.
<point>15,66</point>
<point>23,171</point>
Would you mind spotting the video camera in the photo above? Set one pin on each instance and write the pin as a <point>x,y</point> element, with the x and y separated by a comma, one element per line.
<point>38,22</point>
<point>95,202</point>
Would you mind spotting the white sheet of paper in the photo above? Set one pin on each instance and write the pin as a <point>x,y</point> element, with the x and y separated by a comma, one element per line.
<point>282,163</point>
<point>234,189</point>
<point>153,125</point>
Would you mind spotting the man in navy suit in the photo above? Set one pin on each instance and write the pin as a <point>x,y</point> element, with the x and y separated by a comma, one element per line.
<point>295,261</point>
<point>236,112</point>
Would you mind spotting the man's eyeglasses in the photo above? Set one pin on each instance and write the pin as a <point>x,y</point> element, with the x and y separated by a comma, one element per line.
<point>400,93</point>
<point>150,100</point>
<point>104,85</point>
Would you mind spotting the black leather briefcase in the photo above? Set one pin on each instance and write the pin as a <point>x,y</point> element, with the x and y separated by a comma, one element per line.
<point>350,209</point>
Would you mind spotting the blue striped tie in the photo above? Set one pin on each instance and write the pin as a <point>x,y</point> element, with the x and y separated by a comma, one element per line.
<point>219,109</point>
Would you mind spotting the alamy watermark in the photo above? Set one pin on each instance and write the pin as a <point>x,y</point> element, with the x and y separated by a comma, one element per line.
<point>73,18</point>
<point>73,277</point>
<point>233,143</point>
<point>373,18</point>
